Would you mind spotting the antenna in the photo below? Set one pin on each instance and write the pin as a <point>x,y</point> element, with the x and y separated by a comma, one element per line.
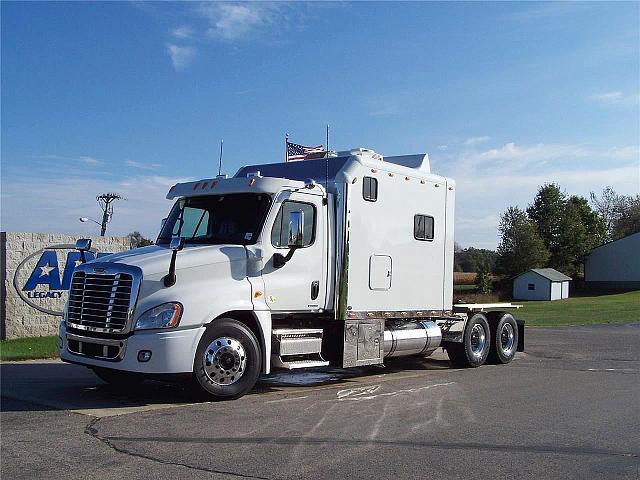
<point>326,165</point>
<point>220,163</point>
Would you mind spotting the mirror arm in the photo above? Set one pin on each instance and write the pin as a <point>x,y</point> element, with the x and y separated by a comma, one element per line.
<point>170,278</point>
<point>280,260</point>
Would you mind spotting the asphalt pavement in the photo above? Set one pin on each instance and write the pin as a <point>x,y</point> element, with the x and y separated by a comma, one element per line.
<point>569,407</point>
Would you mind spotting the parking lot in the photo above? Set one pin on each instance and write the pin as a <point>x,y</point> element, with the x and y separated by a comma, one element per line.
<point>567,408</point>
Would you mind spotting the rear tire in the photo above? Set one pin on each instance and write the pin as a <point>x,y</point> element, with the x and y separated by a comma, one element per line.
<point>228,360</point>
<point>474,349</point>
<point>504,338</point>
<point>118,378</point>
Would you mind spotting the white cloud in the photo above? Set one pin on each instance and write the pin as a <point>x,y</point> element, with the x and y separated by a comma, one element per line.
<point>476,140</point>
<point>85,159</point>
<point>181,57</point>
<point>182,32</point>
<point>143,166</point>
<point>90,160</point>
<point>232,21</point>
<point>58,207</point>
<point>490,180</point>
<point>616,98</point>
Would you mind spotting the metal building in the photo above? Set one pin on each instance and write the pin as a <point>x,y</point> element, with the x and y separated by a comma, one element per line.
<point>615,264</point>
<point>541,284</point>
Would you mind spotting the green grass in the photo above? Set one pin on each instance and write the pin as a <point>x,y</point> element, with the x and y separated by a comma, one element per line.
<point>29,348</point>
<point>586,310</point>
<point>464,288</point>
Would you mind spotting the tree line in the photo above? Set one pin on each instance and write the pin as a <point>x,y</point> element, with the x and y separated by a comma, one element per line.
<point>558,230</point>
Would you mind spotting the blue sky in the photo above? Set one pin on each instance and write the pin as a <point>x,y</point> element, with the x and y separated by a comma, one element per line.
<point>132,97</point>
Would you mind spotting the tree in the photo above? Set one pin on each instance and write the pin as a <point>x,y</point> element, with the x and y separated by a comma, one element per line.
<point>621,213</point>
<point>521,246</point>
<point>609,206</point>
<point>629,220</point>
<point>473,259</point>
<point>138,240</point>
<point>581,230</point>
<point>568,226</point>
<point>547,211</point>
<point>483,280</point>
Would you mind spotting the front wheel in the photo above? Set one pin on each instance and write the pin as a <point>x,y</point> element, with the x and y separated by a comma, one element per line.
<point>228,360</point>
<point>474,349</point>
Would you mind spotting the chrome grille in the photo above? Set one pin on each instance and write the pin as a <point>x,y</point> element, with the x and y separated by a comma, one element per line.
<point>100,301</point>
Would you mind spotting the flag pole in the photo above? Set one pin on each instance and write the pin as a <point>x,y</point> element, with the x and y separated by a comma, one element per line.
<point>327,154</point>
<point>286,149</point>
<point>220,162</point>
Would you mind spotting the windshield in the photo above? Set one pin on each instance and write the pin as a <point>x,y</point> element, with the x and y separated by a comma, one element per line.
<point>215,219</point>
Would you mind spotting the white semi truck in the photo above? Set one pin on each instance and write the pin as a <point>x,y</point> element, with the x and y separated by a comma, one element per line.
<point>344,261</point>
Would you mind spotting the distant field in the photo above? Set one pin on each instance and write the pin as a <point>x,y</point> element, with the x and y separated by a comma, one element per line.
<point>612,308</point>
<point>464,278</point>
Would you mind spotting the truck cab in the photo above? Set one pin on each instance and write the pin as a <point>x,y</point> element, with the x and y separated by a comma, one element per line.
<point>344,261</point>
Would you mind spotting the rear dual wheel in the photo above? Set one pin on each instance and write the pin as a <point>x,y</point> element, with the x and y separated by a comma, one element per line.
<point>504,332</point>
<point>476,344</point>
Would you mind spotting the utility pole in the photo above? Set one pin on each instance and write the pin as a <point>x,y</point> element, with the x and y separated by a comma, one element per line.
<point>106,204</point>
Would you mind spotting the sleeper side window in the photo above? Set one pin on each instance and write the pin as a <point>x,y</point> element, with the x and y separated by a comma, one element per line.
<point>370,189</point>
<point>281,228</point>
<point>423,227</point>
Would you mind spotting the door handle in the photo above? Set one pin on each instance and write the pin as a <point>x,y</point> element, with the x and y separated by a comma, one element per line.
<point>315,289</point>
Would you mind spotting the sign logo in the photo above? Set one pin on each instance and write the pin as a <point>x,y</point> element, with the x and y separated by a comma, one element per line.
<point>47,283</point>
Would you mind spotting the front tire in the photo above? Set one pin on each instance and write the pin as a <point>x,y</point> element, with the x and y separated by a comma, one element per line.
<point>228,360</point>
<point>474,349</point>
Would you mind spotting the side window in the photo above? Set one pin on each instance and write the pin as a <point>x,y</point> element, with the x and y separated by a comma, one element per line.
<point>423,227</point>
<point>531,286</point>
<point>370,189</point>
<point>281,227</point>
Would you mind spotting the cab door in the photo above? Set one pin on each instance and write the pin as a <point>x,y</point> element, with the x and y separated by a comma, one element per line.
<point>295,279</point>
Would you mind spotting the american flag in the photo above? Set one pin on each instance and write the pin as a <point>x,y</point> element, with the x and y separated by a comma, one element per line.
<point>299,152</point>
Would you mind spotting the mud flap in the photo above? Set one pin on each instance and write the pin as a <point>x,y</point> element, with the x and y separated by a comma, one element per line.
<point>520,335</point>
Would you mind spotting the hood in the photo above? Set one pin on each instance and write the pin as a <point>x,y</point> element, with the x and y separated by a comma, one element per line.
<point>155,258</point>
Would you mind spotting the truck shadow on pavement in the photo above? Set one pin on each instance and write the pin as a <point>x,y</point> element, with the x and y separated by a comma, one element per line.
<point>46,385</point>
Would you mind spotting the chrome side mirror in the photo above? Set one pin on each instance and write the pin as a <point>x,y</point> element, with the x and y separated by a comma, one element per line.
<point>176,244</point>
<point>84,245</point>
<point>296,229</point>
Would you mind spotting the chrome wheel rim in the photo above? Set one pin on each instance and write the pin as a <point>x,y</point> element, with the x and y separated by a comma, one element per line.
<point>225,360</point>
<point>507,338</point>
<point>478,340</point>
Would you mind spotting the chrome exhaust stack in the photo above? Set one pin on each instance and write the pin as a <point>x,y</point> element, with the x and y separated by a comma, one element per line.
<point>411,337</point>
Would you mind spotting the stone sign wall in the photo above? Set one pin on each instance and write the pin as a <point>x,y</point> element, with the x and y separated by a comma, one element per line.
<point>36,273</point>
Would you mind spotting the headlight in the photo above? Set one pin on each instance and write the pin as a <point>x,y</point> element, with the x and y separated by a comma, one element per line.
<point>166,315</point>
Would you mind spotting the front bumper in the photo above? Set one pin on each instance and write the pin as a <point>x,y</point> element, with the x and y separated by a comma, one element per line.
<point>171,351</point>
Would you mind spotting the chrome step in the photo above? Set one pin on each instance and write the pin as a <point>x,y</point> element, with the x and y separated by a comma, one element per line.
<point>297,348</point>
<point>296,341</point>
<point>312,361</point>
